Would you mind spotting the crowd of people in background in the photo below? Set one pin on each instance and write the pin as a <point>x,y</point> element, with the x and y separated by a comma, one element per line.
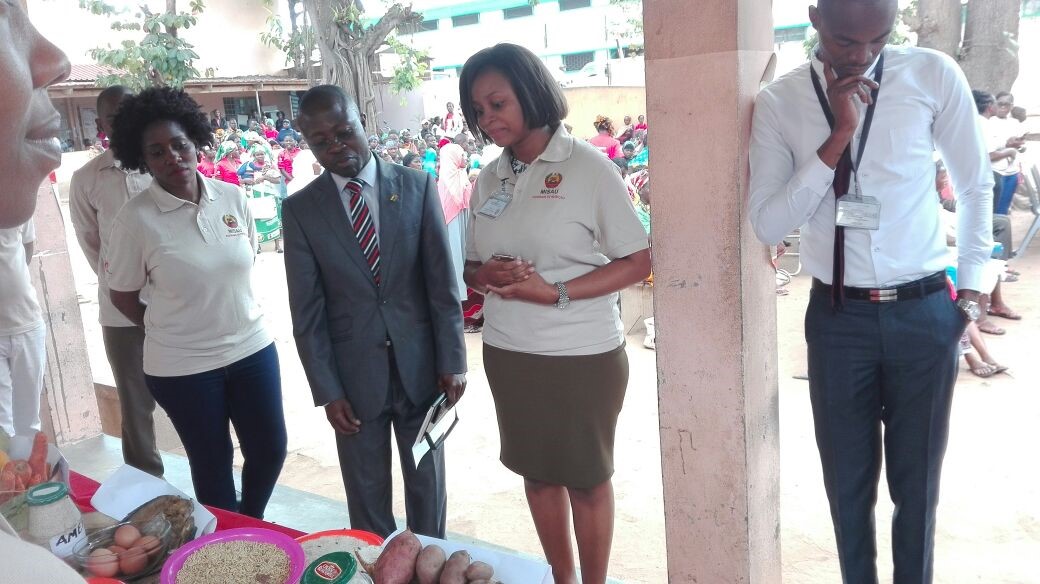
<point>1005,136</point>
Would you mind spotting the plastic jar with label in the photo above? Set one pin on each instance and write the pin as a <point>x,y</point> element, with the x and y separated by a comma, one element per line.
<point>54,521</point>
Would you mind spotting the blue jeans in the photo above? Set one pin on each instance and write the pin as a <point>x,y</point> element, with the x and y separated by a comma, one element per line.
<point>881,379</point>
<point>1002,202</point>
<point>247,393</point>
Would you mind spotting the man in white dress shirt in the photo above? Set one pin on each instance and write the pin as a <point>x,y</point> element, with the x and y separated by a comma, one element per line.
<point>881,326</point>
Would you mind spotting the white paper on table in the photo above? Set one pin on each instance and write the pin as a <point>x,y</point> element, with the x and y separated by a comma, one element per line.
<point>128,488</point>
<point>509,569</point>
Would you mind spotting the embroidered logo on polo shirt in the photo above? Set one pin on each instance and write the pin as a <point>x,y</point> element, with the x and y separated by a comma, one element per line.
<point>231,221</point>
<point>552,187</point>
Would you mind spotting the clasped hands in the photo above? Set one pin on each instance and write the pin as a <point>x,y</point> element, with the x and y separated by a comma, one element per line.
<point>516,280</point>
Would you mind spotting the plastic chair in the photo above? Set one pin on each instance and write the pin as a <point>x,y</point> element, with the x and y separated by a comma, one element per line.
<point>1032,187</point>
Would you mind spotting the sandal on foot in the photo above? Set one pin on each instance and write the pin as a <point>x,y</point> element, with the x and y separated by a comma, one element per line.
<point>990,329</point>
<point>1006,313</point>
<point>997,367</point>
<point>984,370</point>
<point>1009,277</point>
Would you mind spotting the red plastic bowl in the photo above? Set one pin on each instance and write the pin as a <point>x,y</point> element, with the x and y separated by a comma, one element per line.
<point>365,536</point>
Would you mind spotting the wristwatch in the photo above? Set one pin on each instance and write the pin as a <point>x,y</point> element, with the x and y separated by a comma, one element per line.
<point>970,308</point>
<point>564,299</point>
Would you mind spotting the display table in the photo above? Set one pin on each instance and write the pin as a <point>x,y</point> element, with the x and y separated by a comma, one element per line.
<point>83,488</point>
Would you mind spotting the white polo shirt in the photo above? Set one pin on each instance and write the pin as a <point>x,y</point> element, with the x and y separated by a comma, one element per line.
<point>98,191</point>
<point>570,214</point>
<point>19,310</point>
<point>194,264</point>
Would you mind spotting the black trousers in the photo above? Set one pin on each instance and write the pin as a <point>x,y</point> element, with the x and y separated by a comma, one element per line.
<point>881,379</point>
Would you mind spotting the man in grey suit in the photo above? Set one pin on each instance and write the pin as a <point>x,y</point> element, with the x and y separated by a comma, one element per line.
<point>375,318</point>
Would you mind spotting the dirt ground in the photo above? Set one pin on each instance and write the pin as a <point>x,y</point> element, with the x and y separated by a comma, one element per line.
<point>989,517</point>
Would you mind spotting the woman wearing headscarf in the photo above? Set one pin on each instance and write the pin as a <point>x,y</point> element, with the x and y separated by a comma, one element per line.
<point>454,187</point>
<point>228,163</point>
<point>605,141</point>
<point>263,182</point>
<point>286,130</point>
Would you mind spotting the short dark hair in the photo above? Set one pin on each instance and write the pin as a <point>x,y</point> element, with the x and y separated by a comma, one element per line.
<point>983,99</point>
<point>408,158</point>
<point>112,92</point>
<point>323,97</point>
<point>540,96</point>
<point>156,104</point>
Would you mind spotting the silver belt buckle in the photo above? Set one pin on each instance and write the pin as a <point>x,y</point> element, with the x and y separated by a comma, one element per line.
<point>889,295</point>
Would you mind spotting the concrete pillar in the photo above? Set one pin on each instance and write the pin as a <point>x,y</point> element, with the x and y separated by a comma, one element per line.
<point>713,293</point>
<point>70,409</point>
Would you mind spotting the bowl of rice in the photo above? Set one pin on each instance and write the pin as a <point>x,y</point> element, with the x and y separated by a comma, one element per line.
<point>237,555</point>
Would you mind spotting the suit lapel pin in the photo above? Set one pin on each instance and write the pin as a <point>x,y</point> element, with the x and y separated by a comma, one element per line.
<point>394,197</point>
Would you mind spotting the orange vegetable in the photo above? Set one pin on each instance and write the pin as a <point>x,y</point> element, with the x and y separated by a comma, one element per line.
<point>38,457</point>
<point>23,471</point>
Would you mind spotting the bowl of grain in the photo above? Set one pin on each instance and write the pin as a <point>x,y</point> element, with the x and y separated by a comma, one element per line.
<point>237,555</point>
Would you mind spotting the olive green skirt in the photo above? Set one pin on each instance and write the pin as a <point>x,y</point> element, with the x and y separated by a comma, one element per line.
<point>557,414</point>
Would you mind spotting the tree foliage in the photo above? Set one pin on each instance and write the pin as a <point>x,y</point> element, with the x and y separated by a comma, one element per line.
<point>298,44</point>
<point>410,72</point>
<point>160,57</point>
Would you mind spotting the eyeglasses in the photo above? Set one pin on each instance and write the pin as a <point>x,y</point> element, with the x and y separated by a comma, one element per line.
<point>340,138</point>
<point>1005,103</point>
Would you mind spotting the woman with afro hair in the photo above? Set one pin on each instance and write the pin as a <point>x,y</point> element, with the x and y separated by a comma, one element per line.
<point>186,247</point>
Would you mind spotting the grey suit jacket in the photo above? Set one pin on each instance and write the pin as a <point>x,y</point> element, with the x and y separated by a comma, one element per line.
<point>342,320</point>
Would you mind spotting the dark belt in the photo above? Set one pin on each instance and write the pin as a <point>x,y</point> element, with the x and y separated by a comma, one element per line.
<point>909,291</point>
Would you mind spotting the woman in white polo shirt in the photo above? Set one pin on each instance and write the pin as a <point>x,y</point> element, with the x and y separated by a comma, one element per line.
<point>186,245</point>
<point>553,237</point>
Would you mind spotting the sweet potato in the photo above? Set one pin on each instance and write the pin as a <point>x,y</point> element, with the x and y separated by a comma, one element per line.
<point>38,457</point>
<point>396,565</point>
<point>455,568</point>
<point>430,564</point>
<point>479,571</point>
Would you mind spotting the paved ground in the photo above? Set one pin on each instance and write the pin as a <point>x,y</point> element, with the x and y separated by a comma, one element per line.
<point>989,518</point>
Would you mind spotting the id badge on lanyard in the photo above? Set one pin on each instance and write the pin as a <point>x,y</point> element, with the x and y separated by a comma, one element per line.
<point>855,210</point>
<point>497,204</point>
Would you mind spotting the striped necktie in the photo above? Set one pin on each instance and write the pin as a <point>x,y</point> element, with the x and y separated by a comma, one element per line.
<point>364,228</point>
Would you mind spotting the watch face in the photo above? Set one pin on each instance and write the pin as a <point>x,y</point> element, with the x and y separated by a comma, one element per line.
<point>970,308</point>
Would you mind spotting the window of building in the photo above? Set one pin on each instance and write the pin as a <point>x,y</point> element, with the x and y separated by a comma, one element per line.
<point>790,35</point>
<point>465,19</point>
<point>574,4</point>
<point>428,25</point>
<point>239,107</point>
<point>575,61</point>
<point>518,12</point>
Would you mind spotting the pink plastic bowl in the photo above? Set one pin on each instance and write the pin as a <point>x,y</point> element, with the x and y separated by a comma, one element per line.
<point>287,544</point>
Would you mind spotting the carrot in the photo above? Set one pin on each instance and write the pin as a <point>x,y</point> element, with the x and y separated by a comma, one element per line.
<point>38,457</point>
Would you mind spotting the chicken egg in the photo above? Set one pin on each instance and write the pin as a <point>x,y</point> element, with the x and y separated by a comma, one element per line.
<point>126,536</point>
<point>133,561</point>
<point>103,563</point>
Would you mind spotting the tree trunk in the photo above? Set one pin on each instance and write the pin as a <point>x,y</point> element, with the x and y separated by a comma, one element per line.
<point>938,25</point>
<point>342,61</point>
<point>989,56</point>
<point>348,51</point>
